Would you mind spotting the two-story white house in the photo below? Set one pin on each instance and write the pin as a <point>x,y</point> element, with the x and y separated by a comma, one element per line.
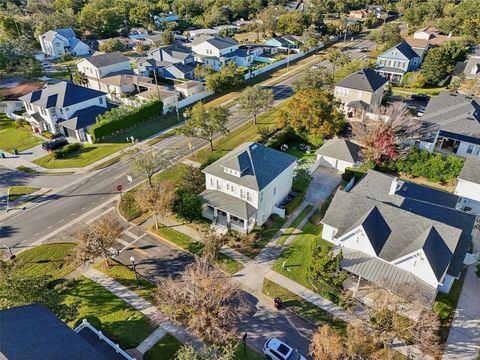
<point>397,61</point>
<point>10,96</point>
<point>58,42</point>
<point>218,51</point>
<point>101,65</point>
<point>244,187</point>
<point>400,236</point>
<point>360,92</point>
<point>65,108</point>
<point>468,186</point>
<point>454,123</point>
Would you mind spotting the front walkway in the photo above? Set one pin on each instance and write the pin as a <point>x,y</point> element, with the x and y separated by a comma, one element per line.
<point>145,307</point>
<point>463,341</point>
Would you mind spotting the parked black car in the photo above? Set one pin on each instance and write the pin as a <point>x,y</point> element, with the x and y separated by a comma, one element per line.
<point>54,144</point>
<point>420,97</point>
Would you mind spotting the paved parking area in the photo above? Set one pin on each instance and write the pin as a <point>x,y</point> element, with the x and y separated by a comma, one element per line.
<point>325,181</point>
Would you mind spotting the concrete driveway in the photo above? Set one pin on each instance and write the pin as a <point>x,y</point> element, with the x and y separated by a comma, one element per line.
<point>325,181</point>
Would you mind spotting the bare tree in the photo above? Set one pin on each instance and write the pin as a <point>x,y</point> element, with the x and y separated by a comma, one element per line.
<point>213,243</point>
<point>158,198</point>
<point>97,239</point>
<point>425,332</point>
<point>204,301</point>
<point>387,137</point>
<point>210,352</point>
<point>147,162</point>
<point>359,345</point>
<point>327,345</point>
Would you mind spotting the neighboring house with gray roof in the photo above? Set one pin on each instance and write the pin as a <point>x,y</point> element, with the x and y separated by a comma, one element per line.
<point>338,154</point>
<point>399,235</point>
<point>51,108</point>
<point>397,61</point>
<point>58,42</point>
<point>34,332</point>
<point>360,92</point>
<point>454,123</point>
<point>468,186</point>
<point>244,187</point>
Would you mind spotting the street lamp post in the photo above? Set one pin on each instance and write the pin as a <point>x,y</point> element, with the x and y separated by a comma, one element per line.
<point>132,259</point>
<point>12,255</point>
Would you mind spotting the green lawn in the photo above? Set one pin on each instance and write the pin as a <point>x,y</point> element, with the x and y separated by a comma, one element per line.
<point>302,155</point>
<point>114,317</point>
<point>50,259</point>
<point>174,173</point>
<point>13,137</point>
<point>15,192</point>
<point>229,265</point>
<point>126,277</point>
<point>298,256</point>
<point>294,224</point>
<point>89,154</point>
<point>445,305</point>
<point>246,132</point>
<point>302,307</point>
<point>434,91</point>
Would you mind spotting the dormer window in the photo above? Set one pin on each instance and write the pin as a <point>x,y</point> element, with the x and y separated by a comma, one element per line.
<point>232,172</point>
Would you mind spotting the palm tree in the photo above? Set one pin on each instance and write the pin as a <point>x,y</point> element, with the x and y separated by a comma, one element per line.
<point>80,78</point>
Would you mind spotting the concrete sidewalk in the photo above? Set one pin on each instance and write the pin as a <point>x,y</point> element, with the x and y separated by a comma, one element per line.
<point>145,307</point>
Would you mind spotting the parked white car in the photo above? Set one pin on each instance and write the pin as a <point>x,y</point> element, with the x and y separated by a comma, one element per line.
<point>275,349</point>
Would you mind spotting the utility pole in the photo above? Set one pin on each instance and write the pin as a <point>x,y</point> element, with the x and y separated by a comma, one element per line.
<point>156,82</point>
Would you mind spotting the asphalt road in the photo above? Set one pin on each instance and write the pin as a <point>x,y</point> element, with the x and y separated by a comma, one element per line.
<point>20,228</point>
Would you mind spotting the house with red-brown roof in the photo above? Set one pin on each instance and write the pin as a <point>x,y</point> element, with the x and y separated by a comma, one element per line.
<point>427,37</point>
<point>10,94</point>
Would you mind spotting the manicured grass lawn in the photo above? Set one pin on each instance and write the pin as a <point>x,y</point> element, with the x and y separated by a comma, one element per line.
<point>174,173</point>
<point>89,154</point>
<point>445,305</point>
<point>11,137</point>
<point>126,277</point>
<point>49,259</point>
<point>298,256</point>
<point>294,224</point>
<point>245,133</point>
<point>302,307</point>
<point>302,155</point>
<point>407,91</point>
<point>186,243</point>
<point>15,192</point>
<point>114,317</point>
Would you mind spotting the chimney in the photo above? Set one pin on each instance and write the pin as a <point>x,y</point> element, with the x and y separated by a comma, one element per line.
<point>393,186</point>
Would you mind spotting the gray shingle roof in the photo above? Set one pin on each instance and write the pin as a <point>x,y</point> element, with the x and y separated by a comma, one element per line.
<point>61,94</point>
<point>341,149</point>
<point>107,59</point>
<point>34,332</point>
<point>365,80</point>
<point>66,32</point>
<point>86,117</point>
<point>405,49</point>
<point>222,43</point>
<point>415,217</point>
<point>260,164</point>
<point>228,203</point>
<point>471,170</point>
<point>454,113</point>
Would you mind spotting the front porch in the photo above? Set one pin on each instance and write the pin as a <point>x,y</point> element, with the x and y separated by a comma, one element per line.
<point>227,220</point>
<point>447,146</point>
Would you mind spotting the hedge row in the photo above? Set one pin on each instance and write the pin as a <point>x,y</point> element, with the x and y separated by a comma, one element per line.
<point>132,119</point>
<point>66,150</point>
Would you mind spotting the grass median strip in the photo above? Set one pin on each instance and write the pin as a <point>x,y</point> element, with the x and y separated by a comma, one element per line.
<point>286,234</point>
<point>16,192</point>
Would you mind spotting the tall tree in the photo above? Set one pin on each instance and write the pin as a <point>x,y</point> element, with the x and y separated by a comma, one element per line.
<point>158,199</point>
<point>324,271</point>
<point>292,23</point>
<point>327,345</point>
<point>312,79</point>
<point>97,239</point>
<point>205,123</point>
<point>80,78</point>
<point>313,114</point>
<point>387,36</point>
<point>204,301</point>
<point>254,99</point>
<point>336,58</point>
<point>146,163</point>
<point>112,45</point>
<point>385,140</point>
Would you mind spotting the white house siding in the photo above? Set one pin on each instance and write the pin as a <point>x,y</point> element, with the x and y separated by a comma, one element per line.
<point>329,162</point>
<point>11,106</point>
<point>358,240</point>
<point>80,49</point>
<point>470,195</point>
<point>346,95</point>
<point>91,71</point>
<point>466,149</point>
<point>417,264</point>
<point>328,233</point>
<point>447,284</point>
<point>231,188</point>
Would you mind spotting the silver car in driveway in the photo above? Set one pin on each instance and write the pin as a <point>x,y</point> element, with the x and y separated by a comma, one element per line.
<point>275,349</point>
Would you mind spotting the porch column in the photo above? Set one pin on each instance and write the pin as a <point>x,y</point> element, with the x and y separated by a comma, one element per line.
<point>245,225</point>
<point>215,215</point>
<point>228,218</point>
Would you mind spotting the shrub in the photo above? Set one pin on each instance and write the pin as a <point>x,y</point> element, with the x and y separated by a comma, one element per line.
<point>128,207</point>
<point>296,201</point>
<point>187,205</point>
<point>49,135</point>
<point>66,150</point>
<point>302,180</point>
<point>352,173</point>
<point>211,159</point>
<point>67,57</point>
<point>117,120</point>
<point>21,122</point>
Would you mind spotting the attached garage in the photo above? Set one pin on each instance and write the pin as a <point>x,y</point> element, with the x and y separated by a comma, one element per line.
<point>338,154</point>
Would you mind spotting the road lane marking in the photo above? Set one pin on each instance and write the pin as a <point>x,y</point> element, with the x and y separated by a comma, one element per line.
<point>49,227</point>
<point>61,220</point>
<point>82,209</point>
<point>133,247</point>
<point>72,214</point>
<point>36,234</point>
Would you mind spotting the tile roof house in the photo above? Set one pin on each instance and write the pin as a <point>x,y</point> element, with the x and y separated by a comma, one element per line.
<point>244,187</point>
<point>58,42</point>
<point>65,108</point>
<point>396,61</point>
<point>401,236</point>
<point>454,122</point>
<point>427,37</point>
<point>360,92</point>
<point>10,95</point>
<point>468,186</point>
<point>338,154</point>
<point>34,332</point>
<point>217,51</point>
